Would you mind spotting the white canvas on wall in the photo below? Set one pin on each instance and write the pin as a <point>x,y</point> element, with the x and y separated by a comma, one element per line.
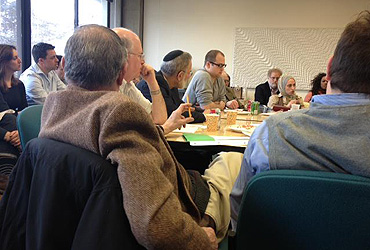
<point>299,52</point>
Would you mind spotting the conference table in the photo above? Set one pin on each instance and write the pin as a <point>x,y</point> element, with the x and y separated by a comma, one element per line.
<point>197,155</point>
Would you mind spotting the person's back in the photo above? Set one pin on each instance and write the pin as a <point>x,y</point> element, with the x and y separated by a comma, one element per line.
<point>333,134</point>
<point>167,208</point>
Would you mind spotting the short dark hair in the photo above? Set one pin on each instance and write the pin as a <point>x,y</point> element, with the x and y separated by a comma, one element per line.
<point>316,84</point>
<point>211,56</point>
<point>59,59</point>
<point>350,68</point>
<point>40,50</point>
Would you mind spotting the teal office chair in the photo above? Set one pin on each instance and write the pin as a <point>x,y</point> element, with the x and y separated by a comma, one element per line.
<point>291,209</point>
<point>28,122</point>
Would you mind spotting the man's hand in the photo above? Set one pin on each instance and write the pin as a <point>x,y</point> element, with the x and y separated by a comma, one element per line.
<point>177,120</point>
<point>233,104</point>
<point>212,236</point>
<point>148,74</point>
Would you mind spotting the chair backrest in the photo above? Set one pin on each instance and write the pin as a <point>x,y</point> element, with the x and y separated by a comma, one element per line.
<point>28,123</point>
<point>63,197</point>
<point>291,209</point>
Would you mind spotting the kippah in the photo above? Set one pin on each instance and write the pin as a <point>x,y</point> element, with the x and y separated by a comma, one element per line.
<point>172,55</point>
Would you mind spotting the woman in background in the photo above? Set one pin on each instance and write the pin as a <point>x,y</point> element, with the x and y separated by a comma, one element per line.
<point>12,89</point>
<point>287,95</point>
<point>318,84</point>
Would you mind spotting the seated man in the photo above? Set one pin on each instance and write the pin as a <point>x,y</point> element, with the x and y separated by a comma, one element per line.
<point>207,87</point>
<point>167,207</point>
<point>322,137</point>
<point>136,66</point>
<point>175,71</point>
<point>270,87</point>
<point>40,78</point>
<point>230,93</point>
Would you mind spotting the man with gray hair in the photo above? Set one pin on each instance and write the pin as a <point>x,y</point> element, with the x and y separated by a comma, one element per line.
<point>137,67</point>
<point>175,72</point>
<point>270,87</point>
<point>167,207</point>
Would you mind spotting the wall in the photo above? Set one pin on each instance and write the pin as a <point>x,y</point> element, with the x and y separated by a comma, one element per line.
<point>197,26</point>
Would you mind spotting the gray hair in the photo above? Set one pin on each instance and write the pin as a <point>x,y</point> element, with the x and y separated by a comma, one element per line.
<point>274,70</point>
<point>176,65</point>
<point>94,56</point>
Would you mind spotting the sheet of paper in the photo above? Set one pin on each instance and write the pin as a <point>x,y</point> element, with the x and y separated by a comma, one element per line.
<point>190,128</point>
<point>237,143</point>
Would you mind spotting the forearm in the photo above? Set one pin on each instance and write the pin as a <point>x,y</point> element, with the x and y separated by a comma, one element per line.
<point>159,110</point>
<point>214,105</point>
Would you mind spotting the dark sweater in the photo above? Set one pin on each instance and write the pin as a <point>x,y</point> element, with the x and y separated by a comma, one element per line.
<point>170,96</point>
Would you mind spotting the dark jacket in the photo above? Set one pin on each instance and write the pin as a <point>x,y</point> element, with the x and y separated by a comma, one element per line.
<point>170,96</point>
<point>63,197</point>
<point>263,93</point>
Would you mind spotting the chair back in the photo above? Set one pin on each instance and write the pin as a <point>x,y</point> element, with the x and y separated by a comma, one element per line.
<point>28,123</point>
<point>63,197</point>
<point>292,209</point>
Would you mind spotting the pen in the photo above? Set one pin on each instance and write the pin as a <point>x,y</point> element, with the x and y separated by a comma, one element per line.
<point>187,100</point>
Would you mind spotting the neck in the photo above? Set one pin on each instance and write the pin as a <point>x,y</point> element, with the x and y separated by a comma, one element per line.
<point>43,69</point>
<point>331,91</point>
<point>8,79</point>
<point>170,80</point>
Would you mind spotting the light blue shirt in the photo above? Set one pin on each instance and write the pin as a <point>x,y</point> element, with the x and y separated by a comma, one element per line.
<point>256,160</point>
<point>38,85</point>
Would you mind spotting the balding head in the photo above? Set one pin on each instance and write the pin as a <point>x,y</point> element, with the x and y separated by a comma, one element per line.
<point>135,58</point>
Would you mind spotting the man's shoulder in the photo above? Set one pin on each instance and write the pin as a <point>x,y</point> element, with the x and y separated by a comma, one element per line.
<point>201,76</point>
<point>262,85</point>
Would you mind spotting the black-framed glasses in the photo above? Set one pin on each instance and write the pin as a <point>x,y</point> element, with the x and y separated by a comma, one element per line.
<point>220,65</point>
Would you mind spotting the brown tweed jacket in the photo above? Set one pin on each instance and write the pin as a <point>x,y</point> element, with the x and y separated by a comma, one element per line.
<point>155,186</point>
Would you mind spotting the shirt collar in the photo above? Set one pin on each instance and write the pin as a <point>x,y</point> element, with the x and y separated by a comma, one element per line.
<point>342,99</point>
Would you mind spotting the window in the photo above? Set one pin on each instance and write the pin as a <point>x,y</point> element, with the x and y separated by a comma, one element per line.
<point>92,11</point>
<point>24,23</point>
<point>8,22</point>
<point>52,21</point>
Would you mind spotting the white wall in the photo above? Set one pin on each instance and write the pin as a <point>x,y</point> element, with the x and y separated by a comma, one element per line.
<point>197,26</point>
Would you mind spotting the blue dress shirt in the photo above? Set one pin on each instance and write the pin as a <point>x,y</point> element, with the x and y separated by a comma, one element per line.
<point>256,160</point>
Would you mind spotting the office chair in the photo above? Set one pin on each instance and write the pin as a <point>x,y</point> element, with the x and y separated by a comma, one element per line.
<point>28,123</point>
<point>63,197</point>
<point>292,209</point>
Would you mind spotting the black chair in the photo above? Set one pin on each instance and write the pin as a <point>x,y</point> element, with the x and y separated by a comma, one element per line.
<point>292,209</point>
<point>63,197</point>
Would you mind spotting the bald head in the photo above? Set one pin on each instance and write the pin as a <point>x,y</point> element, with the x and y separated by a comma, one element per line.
<point>127,36</point>
<point>135,51</point>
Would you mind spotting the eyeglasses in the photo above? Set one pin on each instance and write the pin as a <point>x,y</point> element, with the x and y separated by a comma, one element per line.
<point>141,56</point>
<point>220,65</point>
